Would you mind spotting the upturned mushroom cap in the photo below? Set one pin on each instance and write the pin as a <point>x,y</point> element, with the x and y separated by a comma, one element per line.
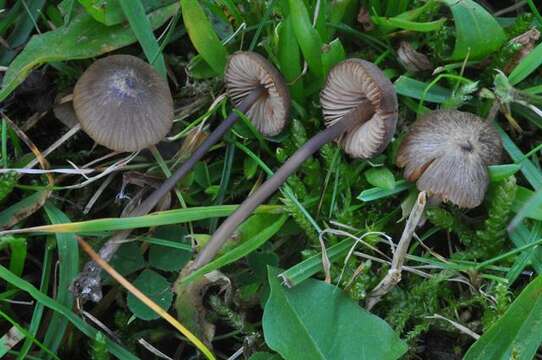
<point>247,71</point>
<point>348,84</point>
<point>447,153</point>
<point>123,103</point>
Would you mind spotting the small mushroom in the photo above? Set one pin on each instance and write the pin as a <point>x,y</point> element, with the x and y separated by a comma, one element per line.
<point>447,153</point>
<point>123,103</point>
<point>257,89</point>
<point>360,107</point>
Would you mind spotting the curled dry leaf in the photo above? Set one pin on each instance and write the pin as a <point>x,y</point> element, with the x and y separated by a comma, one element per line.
<point>527,40</point>
<point>447,153</point>
<point>414,61</point>
<point>364,19</point>
<point>190,303</point>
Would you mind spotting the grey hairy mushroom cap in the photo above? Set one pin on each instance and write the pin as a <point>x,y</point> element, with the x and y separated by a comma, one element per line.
<point>447,153</point>
<point>123,103</point>
<point>246,71</point>
<point>347,85</point>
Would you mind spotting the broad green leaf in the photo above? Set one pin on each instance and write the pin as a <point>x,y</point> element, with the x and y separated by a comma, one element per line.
<point>110,12</point>
<point>254,233</point>
<point>380,177</point>
<point>127,260</point>
<point>477,32</point>
<point>379,193</point>
<point>79,323</point>
<point>82,38</point>
<point>264,356</point>
<point>170,253</point>
<point>316,320</point>
<point>417,89</point>
<point>307,37</point>
<point>157,288</point>
<point>203,36</point>
<point>518,333</point>
<point>142,28</point>
<point>527,65</point>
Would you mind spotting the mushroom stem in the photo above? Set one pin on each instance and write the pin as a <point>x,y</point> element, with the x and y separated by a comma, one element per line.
<point>88,284</point>
<point>361,113</point>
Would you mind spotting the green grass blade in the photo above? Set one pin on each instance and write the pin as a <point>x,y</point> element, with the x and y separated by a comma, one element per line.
<point>409,25</point>
<point>85,328</point>
<point>203,36</point>
<point>38,309</point>
<point>527,65</point>
<point>142,28</point>
<point>68,258</point>
<point>238,252</point>
<point>417,89</point>
<point>155,219</point>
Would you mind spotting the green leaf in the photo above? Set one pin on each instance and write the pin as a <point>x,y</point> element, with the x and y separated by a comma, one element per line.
<point>316,320</point>
<point>157,288</point>
<point>171,254</point>
<point>203,36</point>
<point>307,37</point>
<point>417,89</point>
<point>332,54</point>
<point>518,333</point>
<point>522,203</point>
<point>396,22</point>
<point>380,177</point>
<point>142,28</point>
<point>127,259</point>
<point>289,58</point>
<point>255,232</point>
<point>478,34</point>
<point>264,356</point>
<point>110,12</point>
<point>501,172</point>
<point>176,216</point>
<point>83,38</point>
<point>527,65</point>
<point>379,193</point>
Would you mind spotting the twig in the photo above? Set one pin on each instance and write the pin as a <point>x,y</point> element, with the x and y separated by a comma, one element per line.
<point>393,277</point>
<point>457,325</point>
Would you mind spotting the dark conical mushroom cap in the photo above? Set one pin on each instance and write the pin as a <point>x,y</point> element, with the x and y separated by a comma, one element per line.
<point>348,84</point>
<point>123,103</point>
<point>447,153</point>
<point>247,71</point>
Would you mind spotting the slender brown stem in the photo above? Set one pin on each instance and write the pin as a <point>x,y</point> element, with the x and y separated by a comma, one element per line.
<point>361,114</point>
<point>87,284</point>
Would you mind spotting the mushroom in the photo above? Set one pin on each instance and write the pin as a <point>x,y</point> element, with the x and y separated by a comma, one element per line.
<point>257,89</point>
<point>360,107</point>
<point>123,103</point>
<point>447,153</point>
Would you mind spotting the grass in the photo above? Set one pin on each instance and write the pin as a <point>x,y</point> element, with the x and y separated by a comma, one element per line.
<point>336,218</point>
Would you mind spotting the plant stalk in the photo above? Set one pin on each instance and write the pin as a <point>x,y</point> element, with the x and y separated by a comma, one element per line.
<point>362,113</point>
<point>88,284</point>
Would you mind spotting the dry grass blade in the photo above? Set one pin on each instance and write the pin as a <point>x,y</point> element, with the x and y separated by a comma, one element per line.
<point>145,299</point>
<point>393,277</point>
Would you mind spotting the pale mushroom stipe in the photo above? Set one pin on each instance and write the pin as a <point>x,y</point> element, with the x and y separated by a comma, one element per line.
<point>257,89</point>
<point>360,107</point>
<point>447,154</point>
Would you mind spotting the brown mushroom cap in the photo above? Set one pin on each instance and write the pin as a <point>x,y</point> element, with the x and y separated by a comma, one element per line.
<point>246,71</point>
<point>123,103</point>
<point>447,153</point>
<point>347,85</point>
